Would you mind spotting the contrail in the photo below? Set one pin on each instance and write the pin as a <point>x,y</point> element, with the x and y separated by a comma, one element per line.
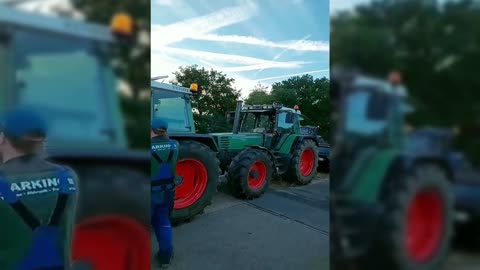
<point>294,74</point>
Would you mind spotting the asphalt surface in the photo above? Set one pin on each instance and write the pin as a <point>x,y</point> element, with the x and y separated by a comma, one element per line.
<point>465,254</point>
<point>287,228</point>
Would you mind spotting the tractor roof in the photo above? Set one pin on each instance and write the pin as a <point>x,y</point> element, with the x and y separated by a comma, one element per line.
<point>267,108</point>
<point>169,87</point>
<point>15,17</point>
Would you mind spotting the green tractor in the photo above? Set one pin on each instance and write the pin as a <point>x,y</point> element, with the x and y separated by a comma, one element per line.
<point>391,206</point>
<point>266,141</point>
<point>197,163</point>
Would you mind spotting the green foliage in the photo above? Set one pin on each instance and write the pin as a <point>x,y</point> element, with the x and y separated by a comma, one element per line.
<point>259,96</point>
<point>211,123</point>
<point>435,47</point>
<point>216,97</point>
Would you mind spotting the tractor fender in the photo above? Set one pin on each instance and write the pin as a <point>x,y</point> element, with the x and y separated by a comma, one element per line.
<point>302,138</point>
<point>408,163</point>
<point>266,150</point>
<point>203,139</point>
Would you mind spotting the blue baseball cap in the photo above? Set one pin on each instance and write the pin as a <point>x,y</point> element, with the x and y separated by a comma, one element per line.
<point>23,123</point>
<point>159,124</point>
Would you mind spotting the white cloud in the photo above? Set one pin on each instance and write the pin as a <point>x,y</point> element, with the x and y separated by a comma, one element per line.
<point>52,8</point>
<point>263,66</point>
<point>198,26</point>
<point>296,45</point>
<point>224,58</point>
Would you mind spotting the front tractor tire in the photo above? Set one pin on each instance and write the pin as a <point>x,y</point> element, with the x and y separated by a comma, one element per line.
<point>250,173</point>
<point>199,167</point>
<point>418,221</point>
<point>304,162</point>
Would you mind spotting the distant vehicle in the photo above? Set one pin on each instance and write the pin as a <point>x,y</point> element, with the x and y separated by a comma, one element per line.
<point>323,149</point>
<point>323,156</point>
<point>435,142</point>
<point>467,192</point>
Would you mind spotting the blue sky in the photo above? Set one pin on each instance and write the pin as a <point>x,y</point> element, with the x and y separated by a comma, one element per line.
<point>337,5</point>
<point>252,41</point>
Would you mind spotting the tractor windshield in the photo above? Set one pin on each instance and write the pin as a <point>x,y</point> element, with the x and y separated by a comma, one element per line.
<point>173,107</point>
<point>257,122</point>
<point>67,79</point>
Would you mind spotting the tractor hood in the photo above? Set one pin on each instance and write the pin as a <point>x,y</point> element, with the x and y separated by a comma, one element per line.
<point>237,142</point>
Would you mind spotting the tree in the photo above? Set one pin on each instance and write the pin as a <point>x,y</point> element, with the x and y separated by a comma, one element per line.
<point>133,60</point>
<point>259,95</point>
<point>216,96</point>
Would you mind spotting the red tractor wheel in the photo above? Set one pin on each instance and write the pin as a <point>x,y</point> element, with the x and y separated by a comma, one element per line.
<point>304,162</point>
<point>250,173</point>
<point>425,225</point>
<point>199,168</point>
<point>417,225</point>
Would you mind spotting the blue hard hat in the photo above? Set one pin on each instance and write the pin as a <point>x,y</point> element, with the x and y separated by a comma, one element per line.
<point>21,123</point>
<point>159,124</point>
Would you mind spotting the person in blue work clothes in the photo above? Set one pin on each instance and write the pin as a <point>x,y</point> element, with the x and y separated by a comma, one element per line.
<point>164,153</point>
<point>36,197</point>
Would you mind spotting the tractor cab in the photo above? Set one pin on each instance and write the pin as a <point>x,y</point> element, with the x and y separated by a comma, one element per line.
<point>173,103</point>
<point>369,117</point>
<point>265,124</point>
<point>62,69</point>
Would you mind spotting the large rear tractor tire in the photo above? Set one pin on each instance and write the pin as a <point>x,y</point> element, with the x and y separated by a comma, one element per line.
<point>418,223</point>
<point>250,173</point>
<point>199,168</point>
<point>304,162</point>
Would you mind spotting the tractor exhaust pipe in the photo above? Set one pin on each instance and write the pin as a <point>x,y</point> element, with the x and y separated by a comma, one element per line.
<point>236,121</point>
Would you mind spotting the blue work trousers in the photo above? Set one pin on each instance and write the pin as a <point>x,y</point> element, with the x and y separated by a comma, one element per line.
<point>162,205</point>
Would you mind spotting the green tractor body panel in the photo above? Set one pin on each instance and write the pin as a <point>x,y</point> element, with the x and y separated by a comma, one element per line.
<point>77,93</point>
<point>370,172</point>
<point>286,143</point>
<point>237,142</point>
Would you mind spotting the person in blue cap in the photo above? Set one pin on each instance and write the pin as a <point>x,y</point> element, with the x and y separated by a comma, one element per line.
<point>36,197</point>
<point>164,153</point>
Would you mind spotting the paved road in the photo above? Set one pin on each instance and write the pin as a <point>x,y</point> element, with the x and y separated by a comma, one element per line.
<point>287,228</point>
<point>465,255</point>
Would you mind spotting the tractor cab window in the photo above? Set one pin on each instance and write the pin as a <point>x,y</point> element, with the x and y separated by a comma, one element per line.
<point>173,108</point>
<point>365,114</point>
<point>264,124</point>
<point>256,123</point>
<point>285,121</point>
<point>67,79</point>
